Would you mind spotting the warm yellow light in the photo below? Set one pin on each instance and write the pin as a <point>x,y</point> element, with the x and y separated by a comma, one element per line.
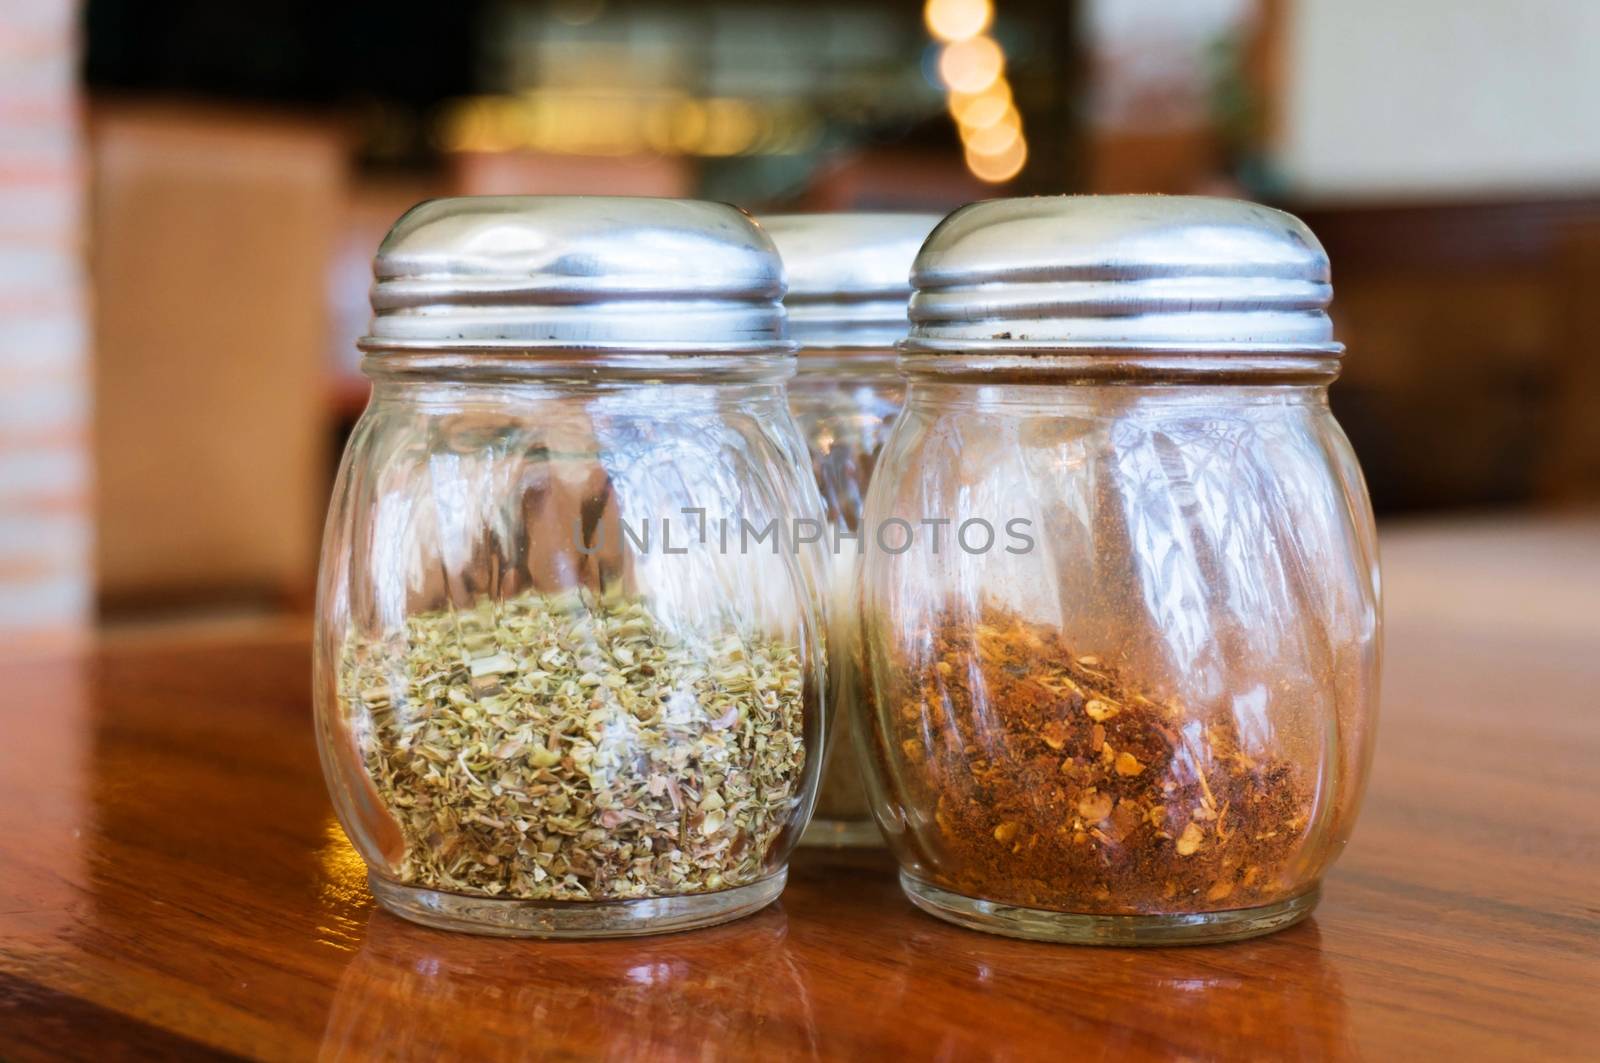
<point>987,112</point>
<point>956,20</point>
<point>478,125</point>
<point>614,123</point>
<point>460,127</point>
<point>732,127</point>
<point>501,130</point>
<point>580,123</point>
<point>1002,167</point>
<point>655,124</point>
<point>971,66</point>
<point>993,140</point>
<point>688,127</point>
<point>964,105</point>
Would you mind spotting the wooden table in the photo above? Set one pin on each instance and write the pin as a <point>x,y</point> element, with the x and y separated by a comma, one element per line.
<point>173,884</point>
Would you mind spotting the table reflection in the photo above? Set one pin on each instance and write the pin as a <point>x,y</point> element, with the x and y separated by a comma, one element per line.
<point>1277,997</point>
<point>732,992</point>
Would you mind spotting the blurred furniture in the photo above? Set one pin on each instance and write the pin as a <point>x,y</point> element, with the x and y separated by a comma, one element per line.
<point>1472,373</point>
<point>894,180</point>
<point>1572,473</point>
<point>371,206</point>
<point>1459,199</point>
<point>212,237</point>
<point>527,173</point>
<point>45,547</point>
<point>179,885</point>
<point>1157,104</point>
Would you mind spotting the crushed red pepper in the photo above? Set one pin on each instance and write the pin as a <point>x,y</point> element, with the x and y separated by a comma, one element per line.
<point>1056,784</point>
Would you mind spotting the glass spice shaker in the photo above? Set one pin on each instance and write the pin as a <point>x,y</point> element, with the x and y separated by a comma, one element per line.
<point>554,697</point>
<point>849,279</point>
<point>1133,699</point>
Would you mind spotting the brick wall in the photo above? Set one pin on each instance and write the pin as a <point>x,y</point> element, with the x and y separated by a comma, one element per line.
<point>45,581</point>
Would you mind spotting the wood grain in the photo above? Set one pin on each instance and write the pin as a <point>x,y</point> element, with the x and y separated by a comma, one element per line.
<point>172,884</point>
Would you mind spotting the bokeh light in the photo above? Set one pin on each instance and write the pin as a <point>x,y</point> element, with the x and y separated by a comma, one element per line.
<point>994,140</point>
<point>971,65</point>
<point>999,168</point>
<point>985,109</point>
<point>957,20</point>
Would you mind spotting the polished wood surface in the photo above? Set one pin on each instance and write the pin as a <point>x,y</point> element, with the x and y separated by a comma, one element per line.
<point>172,884</point>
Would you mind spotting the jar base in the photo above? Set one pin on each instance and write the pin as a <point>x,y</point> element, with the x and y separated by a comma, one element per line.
<point>514,917</point>
<point>841,834</point>
<point>1037,924</point>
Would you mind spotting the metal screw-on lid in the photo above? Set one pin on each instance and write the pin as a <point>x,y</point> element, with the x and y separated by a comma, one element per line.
<point>1121,273</point>
<point>604,273</point>
<point>849,275</point>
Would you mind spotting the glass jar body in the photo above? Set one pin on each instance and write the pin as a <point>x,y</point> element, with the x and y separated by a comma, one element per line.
<point>554,696</point>
<point>1137,702</point>
<point>845,403</point>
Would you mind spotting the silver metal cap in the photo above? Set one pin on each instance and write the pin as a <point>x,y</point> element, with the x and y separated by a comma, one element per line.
<point>605,273</point>
<point>849,275</point>
<point>1122,273</point>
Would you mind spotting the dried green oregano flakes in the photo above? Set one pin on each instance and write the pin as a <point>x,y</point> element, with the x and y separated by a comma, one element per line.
<point>564,747</point>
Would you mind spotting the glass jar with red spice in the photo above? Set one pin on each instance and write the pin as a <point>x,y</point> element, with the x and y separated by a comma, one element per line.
<point>1120,606</point>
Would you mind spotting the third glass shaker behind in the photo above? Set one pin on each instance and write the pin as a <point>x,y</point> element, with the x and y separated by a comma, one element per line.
<point>849,279</point>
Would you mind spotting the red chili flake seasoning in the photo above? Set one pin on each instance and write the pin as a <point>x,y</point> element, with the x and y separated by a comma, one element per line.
<point>1056,783</point>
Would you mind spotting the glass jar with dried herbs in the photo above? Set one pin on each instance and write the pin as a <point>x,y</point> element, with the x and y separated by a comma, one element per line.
<point>849,279</point>
<point>1132,699</point>
<point>569,661</point>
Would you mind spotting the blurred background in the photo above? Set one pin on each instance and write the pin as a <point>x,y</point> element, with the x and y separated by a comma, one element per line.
<point>191,192</point>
